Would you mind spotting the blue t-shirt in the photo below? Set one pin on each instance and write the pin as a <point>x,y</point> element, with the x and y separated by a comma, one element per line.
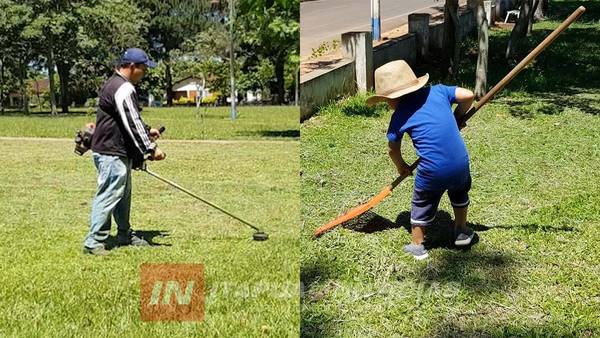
<point>427,116</point>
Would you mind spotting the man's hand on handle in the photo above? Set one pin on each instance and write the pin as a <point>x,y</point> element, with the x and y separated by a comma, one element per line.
<point>154,134</point>
<point>158,155</point>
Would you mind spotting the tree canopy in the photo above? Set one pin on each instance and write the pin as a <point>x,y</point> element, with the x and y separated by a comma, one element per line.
<point>77,42</point>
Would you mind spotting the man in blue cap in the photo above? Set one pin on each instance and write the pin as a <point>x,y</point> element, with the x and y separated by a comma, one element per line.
<point>120,138</point>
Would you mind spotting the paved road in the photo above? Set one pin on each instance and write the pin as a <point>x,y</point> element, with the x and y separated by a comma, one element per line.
<point>326,20</point>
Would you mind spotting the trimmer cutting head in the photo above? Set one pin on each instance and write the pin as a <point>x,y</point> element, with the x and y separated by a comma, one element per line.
<point>260,236</point>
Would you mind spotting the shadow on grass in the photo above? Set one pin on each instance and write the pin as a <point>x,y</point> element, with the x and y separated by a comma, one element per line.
<point>318,269</point>
<point>552,104</point>
<point>441,234</point>
<point>371,222</point>
<point>289,133</point>
<point>477,272</point>
<point>148,235</point>
<point>314,321</point>
<point>560,10</point>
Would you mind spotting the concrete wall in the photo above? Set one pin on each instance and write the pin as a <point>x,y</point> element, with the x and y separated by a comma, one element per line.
<point>320,87</point>
<point>402,48</point>
<point>467,23</point>
<point>436,36</point>
<point>358,46</point>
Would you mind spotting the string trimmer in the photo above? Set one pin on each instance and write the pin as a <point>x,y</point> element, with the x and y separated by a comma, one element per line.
<point>83,141</point>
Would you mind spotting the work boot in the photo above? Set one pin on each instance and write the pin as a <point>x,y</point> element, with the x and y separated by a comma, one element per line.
<point>130,238</point>
<point>417,250</point>
<point>464,236</point>
<point>97,251</point>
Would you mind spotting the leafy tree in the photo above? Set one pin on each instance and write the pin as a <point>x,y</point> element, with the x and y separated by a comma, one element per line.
<point>170,23</point>
<point>80,38</point>
<point>107,29</point>
<point>258,76</point>
<point>153,81</point>
<point>14,17</point>
<point>207,54</point>
<point>292,76</point>
<point>53,32</point>
<point>270,30</point>
<point>78,41</point>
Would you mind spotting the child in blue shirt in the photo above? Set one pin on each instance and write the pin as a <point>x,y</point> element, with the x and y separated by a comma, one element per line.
<point>425,114</point>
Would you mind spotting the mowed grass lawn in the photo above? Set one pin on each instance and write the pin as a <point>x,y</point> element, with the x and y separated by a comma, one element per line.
<point>535,162</point>
<point>183,123</point>
<point>50,289</point>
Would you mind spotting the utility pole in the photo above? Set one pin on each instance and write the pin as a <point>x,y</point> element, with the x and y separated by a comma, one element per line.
<point>231,60</point>
<point>375,21</point>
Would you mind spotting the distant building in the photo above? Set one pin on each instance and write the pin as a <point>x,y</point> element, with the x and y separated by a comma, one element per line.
<point>190,88</point>
<point>254,96</point>
<point>35,88</point>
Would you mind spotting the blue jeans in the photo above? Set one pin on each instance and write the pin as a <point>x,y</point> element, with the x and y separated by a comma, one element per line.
<point>113,197</point>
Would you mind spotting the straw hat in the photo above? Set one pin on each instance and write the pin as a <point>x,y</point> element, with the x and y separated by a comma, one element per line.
<point>395,79</point>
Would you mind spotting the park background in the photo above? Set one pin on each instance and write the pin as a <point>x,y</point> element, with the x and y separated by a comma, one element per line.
<point>58,53</point>
<point>248,165</point>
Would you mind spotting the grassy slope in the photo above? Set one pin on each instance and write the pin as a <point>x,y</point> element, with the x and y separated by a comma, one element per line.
<point>48,288</point>
<point>535,165</point>
<point>182,123</point>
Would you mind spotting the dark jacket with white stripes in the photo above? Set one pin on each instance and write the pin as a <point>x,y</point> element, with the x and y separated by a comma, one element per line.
<point>120,129</point>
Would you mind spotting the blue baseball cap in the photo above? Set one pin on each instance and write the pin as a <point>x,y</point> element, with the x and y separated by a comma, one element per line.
<point>136,55</point>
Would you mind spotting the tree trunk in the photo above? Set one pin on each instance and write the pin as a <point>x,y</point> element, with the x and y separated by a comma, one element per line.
<point>37,93</point>
<point>539,11</point>
<point>520,29</point>
<point>297,87</point>
<point>23,84</point>
<point>63,75</point>
<point>450,55</point>
<point>457,33</point>
<point>534,5</point>
<point>1,85</point>
<point>50,65</point>
<point>482,56</point>
<point>280,80</point>
<point>545,4</point>
<point>168,83</point>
